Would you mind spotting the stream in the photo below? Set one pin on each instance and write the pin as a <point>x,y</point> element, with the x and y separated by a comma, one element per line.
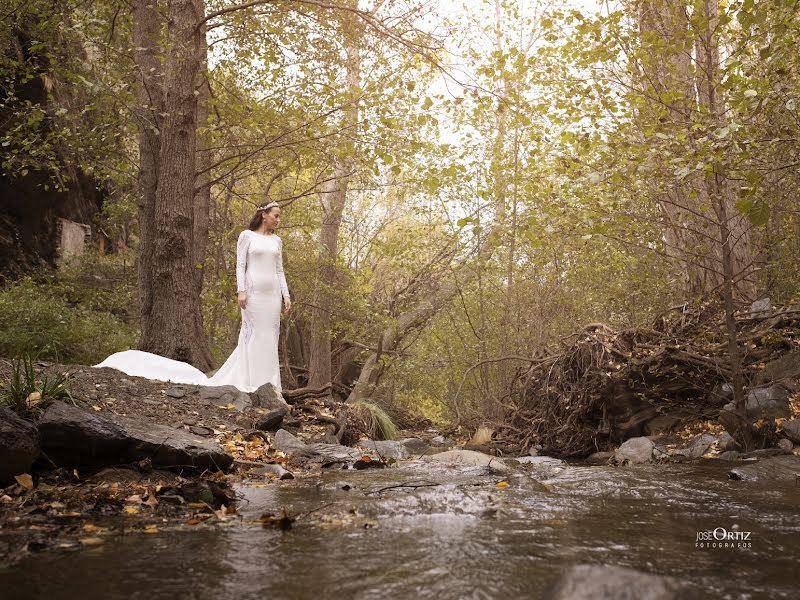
<point>434,531</point>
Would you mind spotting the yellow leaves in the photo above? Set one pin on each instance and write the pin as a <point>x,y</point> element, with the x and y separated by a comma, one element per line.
<point>25,481</point>
<point>252,449</point>
<point>132,510</point>
<point>151,529</point>
<point>229,406</point>
<point>501,485</point>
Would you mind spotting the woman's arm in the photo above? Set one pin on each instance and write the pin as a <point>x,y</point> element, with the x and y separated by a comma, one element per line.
<point>287,301</point>
<point>241,267</point>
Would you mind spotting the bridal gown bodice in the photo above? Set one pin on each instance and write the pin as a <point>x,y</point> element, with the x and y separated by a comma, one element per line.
<point>254,361</point>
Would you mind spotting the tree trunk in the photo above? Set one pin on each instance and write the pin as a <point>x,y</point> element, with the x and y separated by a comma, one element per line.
<point>175,325</point>
<point>146,32</point>
<point>202,199</point>
<point>333,201</point>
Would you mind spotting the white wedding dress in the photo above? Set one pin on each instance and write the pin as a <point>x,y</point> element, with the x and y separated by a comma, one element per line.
<point>254,362</point>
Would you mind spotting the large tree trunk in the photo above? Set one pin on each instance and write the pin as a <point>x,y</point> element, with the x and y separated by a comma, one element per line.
<point>202,199</point>
<point>333,200</point>
<point>146,32</point>
<point>175,325</point>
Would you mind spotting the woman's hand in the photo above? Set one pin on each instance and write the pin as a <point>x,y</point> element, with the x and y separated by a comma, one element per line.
<point>242,300</point>
<point>287,305</point>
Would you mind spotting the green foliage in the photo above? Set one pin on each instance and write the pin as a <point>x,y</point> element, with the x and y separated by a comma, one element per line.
<point>65,320</point>
<point>28,395</point>
<point>379,423</point>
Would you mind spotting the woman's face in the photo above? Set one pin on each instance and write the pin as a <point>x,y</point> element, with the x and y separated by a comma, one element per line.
<point>272,218</point>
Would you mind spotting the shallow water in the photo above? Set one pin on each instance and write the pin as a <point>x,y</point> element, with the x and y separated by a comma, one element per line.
<point>462,538</point>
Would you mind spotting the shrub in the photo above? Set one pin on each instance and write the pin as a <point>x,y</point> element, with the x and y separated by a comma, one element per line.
<point>38,319</point>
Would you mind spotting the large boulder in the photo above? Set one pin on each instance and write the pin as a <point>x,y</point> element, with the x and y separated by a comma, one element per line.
<point>784,370</point>
<point>267,396</point>
<point>225,396</point>
<point>766,403</point>
<point>635,451</point>
<point>328,454</point>
<point>19,444</point>
<point>778,468</point>
<point>792,430</point>
<point>605,582</point>
<point>386,448</point>
<point>696,448</point>
<point>72,436</point>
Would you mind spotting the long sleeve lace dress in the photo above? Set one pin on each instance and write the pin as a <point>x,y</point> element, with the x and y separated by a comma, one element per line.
<point>254,362</point>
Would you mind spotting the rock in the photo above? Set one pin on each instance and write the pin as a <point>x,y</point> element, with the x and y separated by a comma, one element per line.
<point>415,446</point>
<point>20,444</point>
<point>175,392</point>
<point>730,455</point>
<point>548,461</point>
<point>785,445</point>
<point>200,430</point>
<point>727,443</point>
<point>783,370</point>
<point>766,403</point>
<point>792,430</point>
<point>440,440</point>
<point>605,582</point>
<point>634,451</point>
<point>778,468</point>
<point>287,443</point>
<point>721,394</point>
<point>759,306</point>
<point>534,450</point>
<point>660,424</point>
<point>272,420</point>
<point>386,448</point>
<point>268,397</point>
<point>224,395</point>
<point>599,458</point>
<point>72,436</point>
<point>275,470</point>
<point>467,458</point>
<point>696,448</point>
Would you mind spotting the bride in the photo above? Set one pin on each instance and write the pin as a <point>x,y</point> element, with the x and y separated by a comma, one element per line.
<point>261,287</point>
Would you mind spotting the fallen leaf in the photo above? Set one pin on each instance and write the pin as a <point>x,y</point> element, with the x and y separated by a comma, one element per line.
<point>25,481</point>
<point>6,498</point>
<point>135,499</point>
<point>230,406</point>
<point>151,529</point>
<point>501,485</point>
<point>132,510</point>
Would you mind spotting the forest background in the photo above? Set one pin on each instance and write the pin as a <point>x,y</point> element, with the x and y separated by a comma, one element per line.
<point>463,186</point>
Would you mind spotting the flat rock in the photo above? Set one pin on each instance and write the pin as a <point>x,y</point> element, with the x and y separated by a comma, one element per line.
<point>386,448</point>
<point>635,451</point>
<point>599,458</point>
<point>175,392</point>
<point>267,396</point>
<point>72,436</point>
<point>792,430</point>
<point>778,468</point>
<point>605,582</point>
<point>20,444</point>
<point>225,395</point>
<point>467,458</point>
<point>415,446</point>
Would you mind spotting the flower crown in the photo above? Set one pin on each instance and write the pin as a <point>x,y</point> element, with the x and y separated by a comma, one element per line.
<point>265,207</point>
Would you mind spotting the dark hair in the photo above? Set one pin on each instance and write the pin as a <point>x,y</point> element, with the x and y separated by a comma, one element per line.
<point>258,218</point>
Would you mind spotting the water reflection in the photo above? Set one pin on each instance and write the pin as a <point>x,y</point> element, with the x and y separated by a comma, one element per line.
<point>462,539</point>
